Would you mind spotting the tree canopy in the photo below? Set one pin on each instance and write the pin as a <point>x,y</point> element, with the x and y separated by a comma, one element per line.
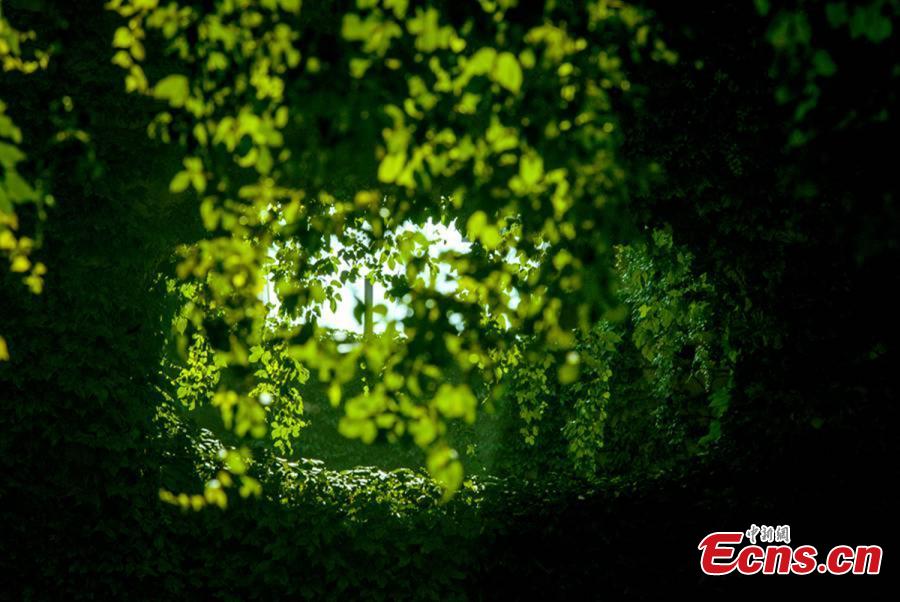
<point>678,220</point>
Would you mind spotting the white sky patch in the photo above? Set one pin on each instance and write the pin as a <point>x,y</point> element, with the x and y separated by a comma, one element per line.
<point>443,237</point>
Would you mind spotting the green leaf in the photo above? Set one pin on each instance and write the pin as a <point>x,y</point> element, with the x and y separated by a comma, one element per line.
<point>531,169</point>
<point>456,402</point>
<point>391,166</point>
<point>507,72</point>
<point>291,6</point>
<point>173,88</point>
<point>17,189</point>
<point>180,182</point>
<point>444,465</point>
<point>122,38</point>
<point>10,155</point>
<point>568,373</point>
<point>481,61</point>
<point>836,13</point>
<point>490,237</point>
<point>476,224</point>
<point>869,22</point>
<point>823,64</point>
<point>334,394</point>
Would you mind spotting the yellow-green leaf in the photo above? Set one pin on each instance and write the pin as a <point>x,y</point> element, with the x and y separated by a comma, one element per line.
<point>507,72</point>
<point>391,166</point>
<point>174,88</point>
<point>476,224</point>
<point>180,182</point>
<point>531,169</point>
